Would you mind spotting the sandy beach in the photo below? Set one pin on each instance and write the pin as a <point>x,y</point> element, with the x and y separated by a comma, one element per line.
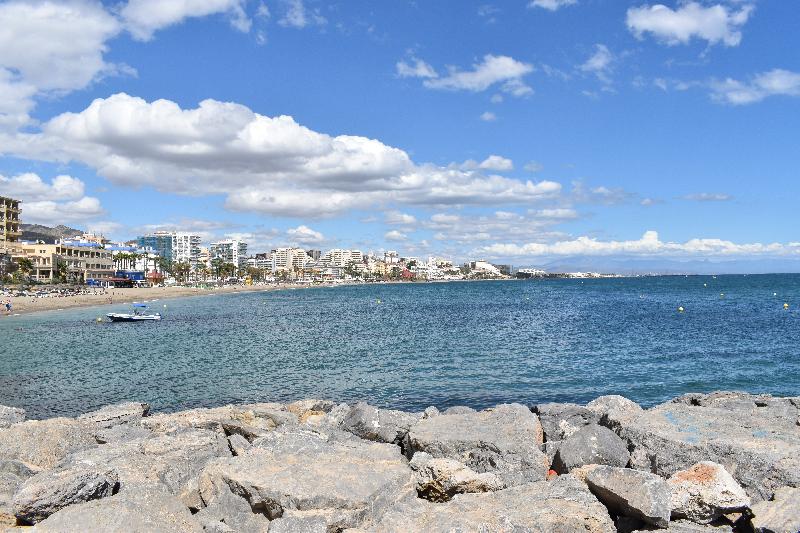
<point>30,304</point>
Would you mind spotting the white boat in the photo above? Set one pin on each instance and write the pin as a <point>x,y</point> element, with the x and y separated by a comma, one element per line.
<point>136,316</point>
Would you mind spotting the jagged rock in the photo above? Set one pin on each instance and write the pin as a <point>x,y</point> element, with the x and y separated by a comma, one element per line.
<point>147,509</point>
<point>113,415</point>
<point>781,514</point>
<point>430,412</point>
<point>336,415</point>
<point>705,492</point>
<point>121,433</point>
<point>231,512</point>
<point>49,491</point>
<point>560,420</point>
<point>13,474</point>
<point>504,440</point>
<point>379,425</point>
<point>590,445</point>
<point>563,505</point>
<point>550,448</point>
<point>686,526</point>
<point>301,408</point>
<point>754,437</point>
<point>11,415</point>
<point>235,427</point>
<point>238,444</point>
<point>293,524</point>
<point>303,474</point>
<point>632,493</point>
<point>458,410</point>
<point>613,410</point>
<point>260,415</point>
<point>440,479</point>
<point>43,443</point>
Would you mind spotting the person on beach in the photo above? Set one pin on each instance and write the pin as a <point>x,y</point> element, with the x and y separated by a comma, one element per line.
<point>8,307</point>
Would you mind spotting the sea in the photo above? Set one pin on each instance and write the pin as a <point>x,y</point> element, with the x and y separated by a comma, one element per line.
<point>408,346</point>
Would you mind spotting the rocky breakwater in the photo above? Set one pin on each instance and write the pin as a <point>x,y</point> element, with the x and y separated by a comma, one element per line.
<point>715,463</point>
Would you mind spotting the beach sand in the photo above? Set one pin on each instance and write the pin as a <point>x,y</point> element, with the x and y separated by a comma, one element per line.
<point>28,304</point>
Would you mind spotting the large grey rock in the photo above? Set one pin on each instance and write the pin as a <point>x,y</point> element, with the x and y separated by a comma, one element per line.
<point>590,445</point>
<point>298,525</point>
<point>687,526</point>
<point>113,415</point>
<point>458,410</point>
<point>43,443</point>
<point>121,433</point>
<point>614,410</point>
<point>705,492</point>
<point>302,409</point>
<point>13,474</point>
<point>781,514</point>
<point>504,440</point>
<point>145,510</point>
<point>264,416</point>
<point>49,491</point>
<point>563,505</point>
<point>11,415</point>
<point>379,425</point>
<point>632,493</point>
<point>303,474</point>
<point>756,438</point>
<point>439,479</point>
<point>560,420</point>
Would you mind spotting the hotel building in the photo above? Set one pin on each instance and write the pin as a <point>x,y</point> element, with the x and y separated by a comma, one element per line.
<point>9,222</point>
<point>230,251</point>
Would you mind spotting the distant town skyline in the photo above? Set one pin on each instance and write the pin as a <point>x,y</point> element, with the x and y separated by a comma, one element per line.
<point>529,132</point>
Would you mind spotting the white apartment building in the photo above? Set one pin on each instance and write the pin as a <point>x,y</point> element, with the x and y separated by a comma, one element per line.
<point>289,259</point>
<point>231,251</point>
<point>186,248</point>
<point>391,258</point>
<point>341,258</point>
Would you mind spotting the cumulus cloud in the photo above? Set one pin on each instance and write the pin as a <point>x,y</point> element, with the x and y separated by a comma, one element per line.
<point>534,224</point>
<point>776,82</point>
<point>714,24</point>
<point>552,5</point>
<point>144,17</point>
<point>395,235</point>
<point>533,166</point>
<point>599,63</point>
<point>305,235</point>
<point>262,164</point>
<point>488,116</point>
<point>648,245</point>
<point>298,16</point>
<point>60,201</point>
<point>503,71</point>
<point>396,218</point>
<point>708,197</point>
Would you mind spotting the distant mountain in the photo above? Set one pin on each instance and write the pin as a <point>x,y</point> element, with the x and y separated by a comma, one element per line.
<point>636,266</point>
<point>37,232</point>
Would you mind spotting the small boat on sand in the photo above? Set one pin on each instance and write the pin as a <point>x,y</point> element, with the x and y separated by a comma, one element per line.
<point>138,315</point>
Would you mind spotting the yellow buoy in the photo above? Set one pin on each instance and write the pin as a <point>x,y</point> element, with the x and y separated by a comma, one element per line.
<point>680,309</point>
<point>786,306</point>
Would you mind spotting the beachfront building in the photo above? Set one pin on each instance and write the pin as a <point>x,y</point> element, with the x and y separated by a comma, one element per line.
<point>314,254</point>
<point>79,263</point>
<point>261,261</point>
<point>173,246</point>
<point>484,268</point>
<point>339,258</point>
<point>9,222</point>
<point>230,251</point>
<point>289,259</point>
<point>391,258</point>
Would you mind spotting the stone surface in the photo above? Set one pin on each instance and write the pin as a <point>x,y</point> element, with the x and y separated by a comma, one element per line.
<point>13,474</point>
<point>113,415</point>
<point>430,412</point>
<point>504,440</point>
<point>238,444</point>
<point>121,433</point>
<point>11,415</point>
<point>781,514</point>
<point>261,415</point>
<point>379,425</point>
<point>303,474</point>
<point>591,444</point>
<point>298,525</point>
<point>754,437</point>
<point>686,526</point>
<point>43,443</point>
<point>458,410</point>
<point>632,493</point>
<point>145,510</point>
<point>563,505</point>
<point>705,492</point>
<point>301,408</point>
<point>48,492</point>
<point>439,479</point>
<point>613,410</point>
<point>560,420</point>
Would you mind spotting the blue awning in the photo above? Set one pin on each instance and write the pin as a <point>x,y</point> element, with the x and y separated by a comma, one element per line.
<point>140,305</point>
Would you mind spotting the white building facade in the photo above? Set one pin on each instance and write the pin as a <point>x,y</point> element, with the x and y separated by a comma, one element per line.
<point>230,251</point>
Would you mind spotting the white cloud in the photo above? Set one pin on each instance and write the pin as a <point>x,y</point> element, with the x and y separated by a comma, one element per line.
<point>552,5</point>
<point>305,235</point>
<point>262,164</point>
<point>144,17</point>
<point>61,201</point>
<point>395,235</point>
<point>708,197</point>
<point>492,70</point>
<point>396,218</point>
<point>776,82</point>
<point>648,245</point>
<point>598,195</point>
<point>535,224</point>
<point>496,99</point>
<point>496,162</point>
<point>298,16</point>
<point>715,24</point>
<point>417,69</point>
<point>533,166</point>
<point>488,116</point>
<point>599,63</point>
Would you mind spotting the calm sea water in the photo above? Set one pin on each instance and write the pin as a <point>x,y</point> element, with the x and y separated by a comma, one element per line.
<point>410,346</point>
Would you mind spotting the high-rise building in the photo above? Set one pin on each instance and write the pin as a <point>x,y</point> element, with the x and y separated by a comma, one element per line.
<point>314,254</point>
<point>289,259</point>
<point>9,222</point>
<point>175,246</point>
<point>341,258</point>
<point>231,251</point>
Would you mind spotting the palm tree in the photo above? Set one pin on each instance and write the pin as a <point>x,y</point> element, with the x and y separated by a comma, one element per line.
<point>181,270</point>
<point>25,267</point>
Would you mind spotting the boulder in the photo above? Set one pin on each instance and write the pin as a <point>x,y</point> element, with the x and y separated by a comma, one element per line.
<point>504,440</point>
<point>591,444</point>
<point>705,492</point>
<point>13,474</point>
<point>560,420</point>
<point>632,493</point>
<point>458,410</point>
<point>146,509</point>
<point>264,416</point>
<point>238,444</point>
<point>43,443</point>
<point>439,479</point>
<point>113,415</point>
<point>379,425</point>
<point>50,491</point>
<point>10,415</point>
<point>543,507</point>
<point>754,437</point>
<point>301,408</point>
<point>304,474</point>
<point>121,433</point>
<point>686,526</point>
<point>430,412</point>
<point>294,524</point>
<point>781,514</point>
<point>613,410</point>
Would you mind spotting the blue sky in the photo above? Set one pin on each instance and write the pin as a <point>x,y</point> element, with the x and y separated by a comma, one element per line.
<point>520,131</point>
